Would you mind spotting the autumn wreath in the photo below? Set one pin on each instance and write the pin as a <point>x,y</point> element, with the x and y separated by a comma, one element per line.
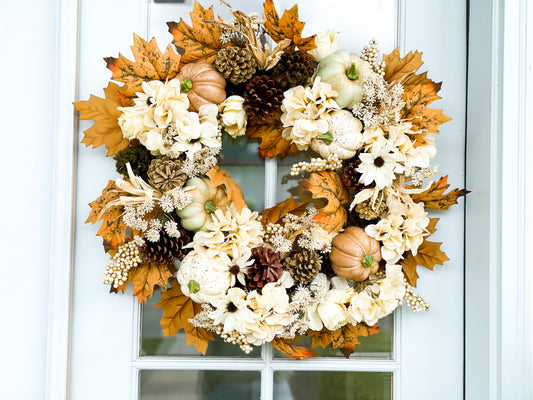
<point>332,260</point>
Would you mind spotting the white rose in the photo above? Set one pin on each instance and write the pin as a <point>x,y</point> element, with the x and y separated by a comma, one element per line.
<point>233,116</point>
<point>326,43</point>
<point>134,122</point>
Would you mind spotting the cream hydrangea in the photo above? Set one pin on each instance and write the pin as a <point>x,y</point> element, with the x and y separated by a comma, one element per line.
<point>233,117</point>
<point>230,232</point>
<point>403,229</point>
<point>304,110</point>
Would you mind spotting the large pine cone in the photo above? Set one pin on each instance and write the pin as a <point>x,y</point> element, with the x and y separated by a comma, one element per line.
<point>303,265</point>
<point>262,98</point>
<point>236,64</point>
<point>293,68</point>
<point>266,268</point>
<point>166,250</point>
<point>166,174</point>
<point>137,155</point>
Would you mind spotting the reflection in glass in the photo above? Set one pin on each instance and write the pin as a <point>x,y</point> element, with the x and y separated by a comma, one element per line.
<point>333,385</point>
<point>199,385</point>
<point>377,346</point>
<point>155,343</point>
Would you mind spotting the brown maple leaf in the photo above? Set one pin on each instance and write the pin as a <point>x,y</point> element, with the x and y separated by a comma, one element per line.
<point>345,338</point>
<point>178,309</point>
<point>274,214</point>
<point>105,130</point>
<point>149,65</point>
<point>201,41</point>
<point>269,134</point>
<point>428,255</point>
<point>287,27</point>
<point>328,193</point>
<point>291,350</point>
<point>146,278</point>
<point>434,197</point>
<point>398,68</point>
<point>219,177</point>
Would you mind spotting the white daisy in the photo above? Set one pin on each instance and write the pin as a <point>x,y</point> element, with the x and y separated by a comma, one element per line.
<point>232,311</point>
<point>380,165</point>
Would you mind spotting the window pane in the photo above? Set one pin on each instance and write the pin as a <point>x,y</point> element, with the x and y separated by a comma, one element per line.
<point>376,346</point>
<point>154,343</point>
<point>332,385</point>
<point>199,385</point>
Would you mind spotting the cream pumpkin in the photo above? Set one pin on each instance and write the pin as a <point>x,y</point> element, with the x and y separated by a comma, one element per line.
<point>344,137</point>
<point>205,200</point>
<point>355,255</point>
<point>345,73</point>
<point>203,84</point>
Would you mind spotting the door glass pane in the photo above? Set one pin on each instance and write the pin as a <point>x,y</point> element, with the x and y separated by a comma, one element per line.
<point>332,385</point>
<point>199,385</point>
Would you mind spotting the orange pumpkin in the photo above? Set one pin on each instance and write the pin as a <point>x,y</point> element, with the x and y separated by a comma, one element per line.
<point>355,255</point>
<point>203,84</point>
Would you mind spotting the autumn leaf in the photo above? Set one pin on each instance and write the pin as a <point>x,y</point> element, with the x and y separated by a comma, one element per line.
<point>274,214</point>
<point>325,186</point>
<point>345,338</point>
<point>397,67</point>
<point>417,111</point>
<point>178,309</point>
<point>113,229</point>
<point>149,65</point>
<point>219,177</point>
<point>201,41</point>
<point>428,255</point>
<point>292,350</point>
<point>434,197</point>
<point>146,278</point>
<point>272,144</point>
<point>287,27</point>
<point>105,130</point>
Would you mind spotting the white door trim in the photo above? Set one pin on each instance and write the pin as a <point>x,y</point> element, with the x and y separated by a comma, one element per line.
<point>63,194</point>
<point>499,173</point>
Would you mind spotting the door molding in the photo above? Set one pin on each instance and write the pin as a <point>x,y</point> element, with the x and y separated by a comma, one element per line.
<point>498,224</point>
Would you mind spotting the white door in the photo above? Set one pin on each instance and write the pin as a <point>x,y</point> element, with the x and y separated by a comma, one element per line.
<point>118,351</point>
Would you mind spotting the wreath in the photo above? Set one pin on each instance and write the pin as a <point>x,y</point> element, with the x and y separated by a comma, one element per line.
<point>329,262</point>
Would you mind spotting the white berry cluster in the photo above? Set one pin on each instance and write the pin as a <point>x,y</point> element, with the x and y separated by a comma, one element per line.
<point>370,53</point>
<point>127,257</point>
<point>415,301</point>
<point>316,165</point>
<point>234,338</point>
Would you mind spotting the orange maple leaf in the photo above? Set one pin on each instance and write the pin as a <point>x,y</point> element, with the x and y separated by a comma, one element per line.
<point>274,214</point>
<point>428,255</point>
<point>201,41</point>
<point>219,177</point>
<point>287,27</point>
<point>178,309</point>
<point>149,65</point>
<point>113,230</point>
<point>272,144</point>
<point>398,68</point>
<point>328,193</point>
<point>105,130</point>
<point>434,197</point>
<point>345,338</point>
<point>292,350</point>
<point>146,278</point>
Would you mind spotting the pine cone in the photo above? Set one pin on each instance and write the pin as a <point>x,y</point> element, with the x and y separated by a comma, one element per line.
<point>266,268</point>
<point>293,68</point>
<point>166,250</point>
<point>236,64</point>
<point>166,174</point>
<point>351,177</point>
<point>262,98</point>
<point>369,212</point>
<point>137,155</point>
<point>303,265</point>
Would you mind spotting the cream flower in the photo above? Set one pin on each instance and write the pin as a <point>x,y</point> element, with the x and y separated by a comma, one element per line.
<point>331,312</point>
<point>229,233</point>
<point>233,117</point>
<point>136,121</point>
<point>237,265</point>
<point>232,311</point>
<point>380,165</point>
<point>326,43</point>
<point>304,110</point>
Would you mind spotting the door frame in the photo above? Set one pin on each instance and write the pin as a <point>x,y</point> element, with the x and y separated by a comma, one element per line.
<point>498,231</point>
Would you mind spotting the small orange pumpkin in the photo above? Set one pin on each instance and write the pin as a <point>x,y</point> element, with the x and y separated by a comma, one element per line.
<point>203,84</point>
<point>355,255</point>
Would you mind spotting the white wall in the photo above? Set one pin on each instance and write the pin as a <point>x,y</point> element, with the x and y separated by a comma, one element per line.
<point>28,30</point>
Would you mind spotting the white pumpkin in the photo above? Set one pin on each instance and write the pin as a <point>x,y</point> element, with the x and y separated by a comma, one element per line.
<point>205,200</point>
<point>203,279</point>
<point>345,73</point>
<point>344,137</point>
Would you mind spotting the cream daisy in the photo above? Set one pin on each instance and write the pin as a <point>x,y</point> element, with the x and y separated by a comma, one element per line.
<point>380,165</point>
<point>232,311</point>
